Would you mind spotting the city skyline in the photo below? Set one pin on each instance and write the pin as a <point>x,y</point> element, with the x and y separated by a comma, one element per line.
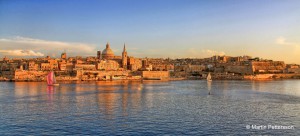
<point>175,29</point>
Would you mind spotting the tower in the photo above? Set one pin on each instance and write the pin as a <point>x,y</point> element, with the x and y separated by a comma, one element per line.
<point>99,55</point>
<point>64,55</point>
<point>124,57</point>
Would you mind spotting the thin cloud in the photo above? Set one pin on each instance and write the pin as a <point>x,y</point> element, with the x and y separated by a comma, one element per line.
<point>192,53</point>
<point>24,44</point>
<point>282,41</point>
<point>21,53</point>
<point>212,52</point>
<point>294,48</point>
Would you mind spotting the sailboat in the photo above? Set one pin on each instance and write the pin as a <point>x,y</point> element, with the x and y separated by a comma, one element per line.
<point>208,78</point>
<point>51,79</point>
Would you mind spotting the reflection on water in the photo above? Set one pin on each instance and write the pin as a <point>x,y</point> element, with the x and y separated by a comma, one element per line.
<point>148,107</point>
<point>209,87</point>
<point>50,92</point>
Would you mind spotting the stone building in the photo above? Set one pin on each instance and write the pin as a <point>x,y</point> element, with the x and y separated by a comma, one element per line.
<point>268,66</point>
<point>107,65</point>
<point>64,55</point>
<point>85,67</point>
<point>293,68</point>
<point>159,64</point>
<point>45,67</point>
<point>134,64</point>
<point>33,66</point>
<point>62,65</point>
<point>189,68</point>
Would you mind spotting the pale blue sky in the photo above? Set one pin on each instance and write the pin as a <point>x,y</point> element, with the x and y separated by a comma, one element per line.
<point>153,28</point>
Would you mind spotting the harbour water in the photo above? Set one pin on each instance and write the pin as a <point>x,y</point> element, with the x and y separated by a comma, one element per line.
<point>150,108</point>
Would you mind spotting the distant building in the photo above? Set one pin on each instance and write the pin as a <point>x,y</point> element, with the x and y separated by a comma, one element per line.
<point>268,66</point>
<point>32,66</point>
<point>45,66</point>
<point>62,66</point>
<point>5,59</point>
<point>64,55</point>
<point>293,68</point>
<point>108,65</point>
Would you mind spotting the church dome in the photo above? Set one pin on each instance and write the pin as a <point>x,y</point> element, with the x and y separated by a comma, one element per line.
<point>107,53</point>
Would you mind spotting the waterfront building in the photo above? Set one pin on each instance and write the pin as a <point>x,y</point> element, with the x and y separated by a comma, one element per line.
<point>85,67</point>
<point>268,66</point>
<point>53,64</point>
<point>45,67</point>
<point>62,65</point>
<point>134,64</point>
<point>293,68</point>
<point>32,66</point>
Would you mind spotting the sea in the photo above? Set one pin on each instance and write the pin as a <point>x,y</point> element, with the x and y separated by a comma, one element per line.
<point>186,107</point>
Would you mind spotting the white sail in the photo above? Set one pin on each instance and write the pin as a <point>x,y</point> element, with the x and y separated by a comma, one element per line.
<point>208,78</point>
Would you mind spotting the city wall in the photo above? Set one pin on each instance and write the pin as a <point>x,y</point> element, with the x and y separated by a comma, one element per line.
<point>155,74</point>
<point>101,75</point>
<point>239,69</point>
<point>22,75</point>
<point>272,76</point>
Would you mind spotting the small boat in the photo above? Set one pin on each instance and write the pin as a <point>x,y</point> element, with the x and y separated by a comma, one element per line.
<point>208,78</point>
<point>51,79</point>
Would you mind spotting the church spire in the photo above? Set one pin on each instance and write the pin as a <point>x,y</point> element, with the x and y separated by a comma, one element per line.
<point>124,49</point>
<point>124,57</point>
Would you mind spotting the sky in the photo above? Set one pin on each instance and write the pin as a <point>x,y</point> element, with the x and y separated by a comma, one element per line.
<point>267,29</point>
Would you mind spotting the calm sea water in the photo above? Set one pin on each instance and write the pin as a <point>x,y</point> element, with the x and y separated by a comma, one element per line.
<point>149,108</point>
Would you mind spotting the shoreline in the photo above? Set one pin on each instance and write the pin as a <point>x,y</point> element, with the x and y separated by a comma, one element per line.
<point>257,77</point>
<point>171,79</point>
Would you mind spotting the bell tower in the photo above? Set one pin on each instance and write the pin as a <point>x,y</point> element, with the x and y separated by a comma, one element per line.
<point>124,57</point>
<point>99,55</point>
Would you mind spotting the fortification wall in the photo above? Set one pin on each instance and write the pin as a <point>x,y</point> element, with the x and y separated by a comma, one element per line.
<point>155,74</point>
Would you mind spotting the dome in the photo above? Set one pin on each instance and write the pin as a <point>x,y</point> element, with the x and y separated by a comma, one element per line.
<point>107,53</point>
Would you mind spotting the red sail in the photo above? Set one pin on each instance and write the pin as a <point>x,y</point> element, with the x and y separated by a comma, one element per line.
<point>50,78</point>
